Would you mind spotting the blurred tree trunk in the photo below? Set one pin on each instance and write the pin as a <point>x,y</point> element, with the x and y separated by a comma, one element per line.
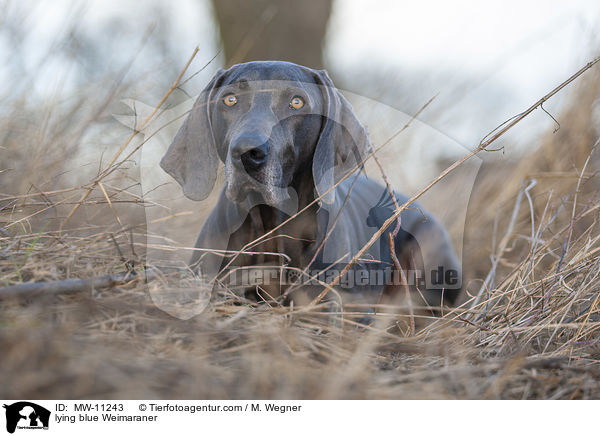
<point>286,30</point>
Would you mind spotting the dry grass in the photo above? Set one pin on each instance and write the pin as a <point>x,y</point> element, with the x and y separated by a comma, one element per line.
<point>534,335</point>
<point>529,327</point>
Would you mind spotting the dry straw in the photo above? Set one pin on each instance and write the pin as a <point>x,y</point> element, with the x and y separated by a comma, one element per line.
<point>528,327</point>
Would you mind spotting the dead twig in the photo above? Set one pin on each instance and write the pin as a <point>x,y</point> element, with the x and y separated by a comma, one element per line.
<point>109,168</point>
<point>68,286</point>
<point>499,131</point>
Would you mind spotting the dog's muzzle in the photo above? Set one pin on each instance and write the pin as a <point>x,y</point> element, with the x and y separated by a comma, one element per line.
<point>250,153</point>
<point>251,168</point>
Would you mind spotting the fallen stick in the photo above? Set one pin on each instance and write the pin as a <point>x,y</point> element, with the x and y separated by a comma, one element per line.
<point>68,286</point>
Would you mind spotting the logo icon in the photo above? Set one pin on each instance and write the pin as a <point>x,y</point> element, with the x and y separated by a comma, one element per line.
<point>26,415</point>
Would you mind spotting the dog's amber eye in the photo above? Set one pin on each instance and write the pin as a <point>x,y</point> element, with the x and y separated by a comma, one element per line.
<point>296,102</point>
<point>230,100</point>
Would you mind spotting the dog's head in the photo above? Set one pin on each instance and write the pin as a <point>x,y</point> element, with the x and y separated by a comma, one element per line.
<point>271,123</point>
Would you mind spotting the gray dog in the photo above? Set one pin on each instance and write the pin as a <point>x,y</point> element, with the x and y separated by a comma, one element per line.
<point>287,137</point>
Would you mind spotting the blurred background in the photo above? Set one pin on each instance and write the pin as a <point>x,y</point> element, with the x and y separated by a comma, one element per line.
<point>486,61</point>
<point>77,60</point>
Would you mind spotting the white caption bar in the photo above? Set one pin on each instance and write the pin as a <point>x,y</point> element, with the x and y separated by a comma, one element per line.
<point>254,417</point>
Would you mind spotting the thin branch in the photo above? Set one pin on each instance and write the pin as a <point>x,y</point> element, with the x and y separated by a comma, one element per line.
<point>482,146</point>
<point>68,286</point>
<point>109,168</point>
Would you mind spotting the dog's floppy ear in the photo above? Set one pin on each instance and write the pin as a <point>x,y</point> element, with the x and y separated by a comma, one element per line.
<point>343,142</point>
<point>192,156</point>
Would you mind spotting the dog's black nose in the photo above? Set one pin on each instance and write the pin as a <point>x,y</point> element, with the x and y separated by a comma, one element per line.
<point>251,152</point>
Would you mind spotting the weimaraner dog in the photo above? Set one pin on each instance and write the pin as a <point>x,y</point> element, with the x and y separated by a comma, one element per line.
<point>293,147</point>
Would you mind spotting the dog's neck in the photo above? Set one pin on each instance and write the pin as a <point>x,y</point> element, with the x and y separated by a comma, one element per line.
<point>301,232</point>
